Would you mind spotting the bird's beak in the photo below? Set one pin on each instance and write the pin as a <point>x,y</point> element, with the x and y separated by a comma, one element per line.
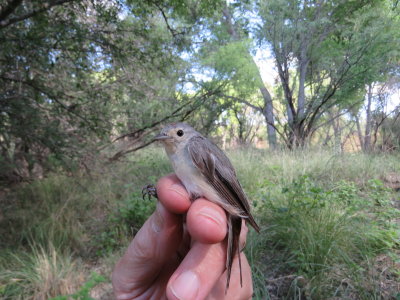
<point>162,137</point>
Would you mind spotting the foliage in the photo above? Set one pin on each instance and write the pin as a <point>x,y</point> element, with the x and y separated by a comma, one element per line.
<point>81,77</point>
<point>50,210</point>
<point>322,222</point>
<point>324,54</point>
<point>83,293</point>
<point>319,224</point>
<point>85,83</point>
<point>390,130</point>
<point>126,220</point>
<point>325,217</point>
<point>73,75</point>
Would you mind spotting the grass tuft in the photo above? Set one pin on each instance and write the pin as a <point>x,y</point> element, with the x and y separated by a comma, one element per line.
<point>40,274</point>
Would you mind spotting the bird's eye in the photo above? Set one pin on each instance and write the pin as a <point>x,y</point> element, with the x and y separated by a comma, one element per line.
<point>179,132</point>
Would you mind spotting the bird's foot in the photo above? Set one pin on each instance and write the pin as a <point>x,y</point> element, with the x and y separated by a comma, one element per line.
<point>149,191</point>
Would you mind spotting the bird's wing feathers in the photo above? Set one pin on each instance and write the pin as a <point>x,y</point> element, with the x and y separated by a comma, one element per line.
<point>220,174</point>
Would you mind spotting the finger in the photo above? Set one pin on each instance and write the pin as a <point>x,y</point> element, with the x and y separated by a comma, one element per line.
<point>235,291</point>
<point>173,194</point>
<point>198,273</point>
<point>202,268</point>
<point>206,222</point>
<point>151,249</point>
<point>185,243</point>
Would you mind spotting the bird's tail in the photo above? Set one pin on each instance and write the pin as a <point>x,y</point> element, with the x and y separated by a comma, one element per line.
<point>253,223</point>
<point>234,228</point>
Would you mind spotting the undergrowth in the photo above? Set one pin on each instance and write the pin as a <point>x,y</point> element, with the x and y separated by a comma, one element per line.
<point>328,222</point>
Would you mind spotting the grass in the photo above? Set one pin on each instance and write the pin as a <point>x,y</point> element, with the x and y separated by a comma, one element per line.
<point>39,274</point>
<point>325,217</point>
<point>330,227</point>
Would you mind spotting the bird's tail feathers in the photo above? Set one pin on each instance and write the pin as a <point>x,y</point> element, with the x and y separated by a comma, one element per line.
<point>253,223</point>
<point>234,228</point>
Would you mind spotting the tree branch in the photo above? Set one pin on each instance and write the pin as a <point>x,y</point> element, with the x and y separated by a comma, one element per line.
<point>169,27</point>
<point>257,108</point>
<point>46,6</point>
<point>177,112</point>
<point>53,98</point>
<point>121,153</point>
<point>244,101</point>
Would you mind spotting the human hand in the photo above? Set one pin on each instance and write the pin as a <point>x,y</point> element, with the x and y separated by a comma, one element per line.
<point>170,260</point>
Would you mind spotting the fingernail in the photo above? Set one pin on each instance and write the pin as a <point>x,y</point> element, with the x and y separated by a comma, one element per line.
<point>157,221</point>
<point>178,188</point>
<point>186,286</point>
<point>212,215</point>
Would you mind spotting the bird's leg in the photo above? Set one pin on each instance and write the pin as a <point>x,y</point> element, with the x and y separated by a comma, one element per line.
<point>149,191</point>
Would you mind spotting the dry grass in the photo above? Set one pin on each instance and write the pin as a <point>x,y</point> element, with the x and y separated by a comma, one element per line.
<point>327,222</point>
<point>41,274</point>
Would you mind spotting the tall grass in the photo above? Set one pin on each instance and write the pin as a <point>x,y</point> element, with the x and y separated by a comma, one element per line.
<point>51,230</point>
<point>39,274</point>
<point>325,219</point>
<point>255,166</point>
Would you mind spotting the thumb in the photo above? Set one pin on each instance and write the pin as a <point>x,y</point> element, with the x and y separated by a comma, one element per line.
<point>153,246</point>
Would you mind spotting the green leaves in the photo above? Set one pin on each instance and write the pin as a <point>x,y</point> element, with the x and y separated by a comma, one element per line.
<point>72,75</point>
<point>234,60</point>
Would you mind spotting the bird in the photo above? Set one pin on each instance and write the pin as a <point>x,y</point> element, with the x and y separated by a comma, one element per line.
<point>207,172</point>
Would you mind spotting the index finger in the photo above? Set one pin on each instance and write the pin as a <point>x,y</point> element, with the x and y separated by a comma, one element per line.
<point>172,194</point>
<point>206,221</point>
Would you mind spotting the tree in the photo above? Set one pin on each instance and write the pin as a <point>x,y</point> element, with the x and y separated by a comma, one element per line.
<point>324,52</point>
<point>231,57</point>
<point>75,73</point>
<point>380,117</point>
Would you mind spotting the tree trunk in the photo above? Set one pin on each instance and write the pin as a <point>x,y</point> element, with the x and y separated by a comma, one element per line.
<point>359,132</point>
<point>337,135</point>
<point>367,137</point>
<point>268,110</point>
<point>241,129</point>
<point>268,113</point>
<point>301,98</point>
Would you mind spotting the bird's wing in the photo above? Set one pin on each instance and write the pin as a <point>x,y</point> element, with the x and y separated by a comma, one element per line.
<point>219,172</point>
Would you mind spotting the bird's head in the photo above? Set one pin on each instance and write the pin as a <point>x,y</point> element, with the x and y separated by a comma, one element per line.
<point>176,135</point>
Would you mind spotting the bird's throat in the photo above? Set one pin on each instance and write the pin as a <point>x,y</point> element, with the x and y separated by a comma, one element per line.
<point>170,148</point>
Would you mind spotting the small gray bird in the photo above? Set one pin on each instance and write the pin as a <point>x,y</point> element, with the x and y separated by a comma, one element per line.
<point>206,171</point>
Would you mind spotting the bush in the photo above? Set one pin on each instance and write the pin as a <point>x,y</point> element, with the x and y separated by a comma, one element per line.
<point>322,229</point>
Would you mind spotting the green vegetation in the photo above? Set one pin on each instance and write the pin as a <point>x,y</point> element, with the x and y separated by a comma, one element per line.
<point>78,77</point>
<point>86,84</point>
<point>330,226</point>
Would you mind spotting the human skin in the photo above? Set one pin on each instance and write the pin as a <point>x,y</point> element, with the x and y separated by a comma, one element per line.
<point>178,258</point>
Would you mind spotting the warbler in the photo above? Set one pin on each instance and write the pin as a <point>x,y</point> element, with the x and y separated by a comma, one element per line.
<point>206,171</point>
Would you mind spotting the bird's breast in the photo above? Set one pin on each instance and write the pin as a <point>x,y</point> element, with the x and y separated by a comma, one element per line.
<point>188,174</point>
